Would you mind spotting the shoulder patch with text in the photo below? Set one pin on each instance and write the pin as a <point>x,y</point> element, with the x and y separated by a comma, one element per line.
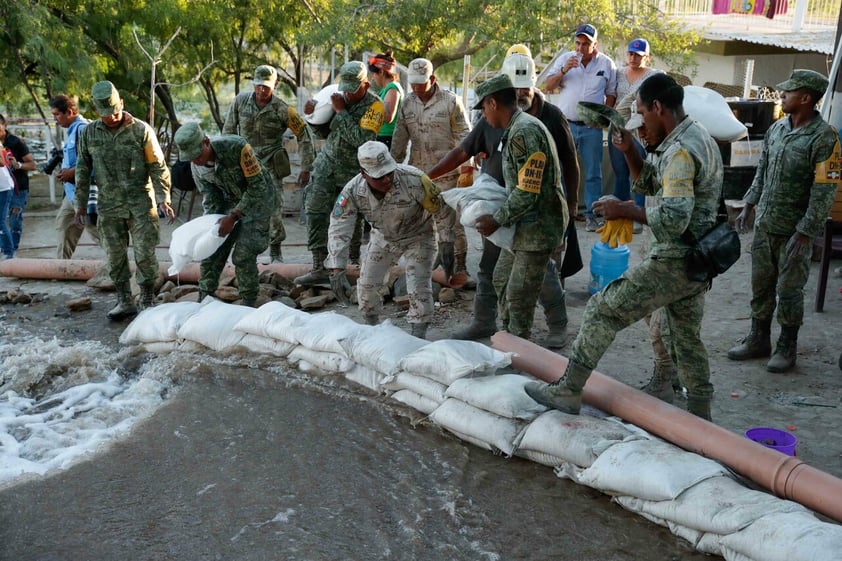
<point>373,118</point>
<point>432,199</point>
<point>248,161</point>
<point>531,173</point>
<point>678,176</point>
<point>294,121</point>
<point>829,170</point>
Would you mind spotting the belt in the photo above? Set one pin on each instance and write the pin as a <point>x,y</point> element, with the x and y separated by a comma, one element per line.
<point>577,123</point>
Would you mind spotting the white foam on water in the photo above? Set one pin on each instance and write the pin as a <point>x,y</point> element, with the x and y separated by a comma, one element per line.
<point>60,404</point>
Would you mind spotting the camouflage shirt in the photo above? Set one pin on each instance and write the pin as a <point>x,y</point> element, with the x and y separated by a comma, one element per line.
<point>351,128</point>
<point>264,128</point>
<point>796,177</point>
<point>128,162</point>
<point>434,127</point>
<point>236,181</point>
<point>536,205</point>
<point>407,212</point>
<point>685,176</point>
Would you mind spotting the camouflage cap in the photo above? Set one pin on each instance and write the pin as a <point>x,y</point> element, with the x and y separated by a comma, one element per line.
<point>801,78</point>
<point>375,159</point>
<point>189,138</point>
<point>106,98</point>
<point>419,71</point>
<point>490,86</point>
<point>351,76</point>
<point>265,75</point>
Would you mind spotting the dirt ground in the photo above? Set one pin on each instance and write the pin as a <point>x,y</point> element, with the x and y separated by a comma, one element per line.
<point>806,401</point>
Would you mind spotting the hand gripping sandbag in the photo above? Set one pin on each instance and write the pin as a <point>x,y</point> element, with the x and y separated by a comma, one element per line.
<point>713,253</point>
<point>194,241</point>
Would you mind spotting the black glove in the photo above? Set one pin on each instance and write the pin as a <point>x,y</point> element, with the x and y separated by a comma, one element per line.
<point>447,259</point>
<point>341,287</point>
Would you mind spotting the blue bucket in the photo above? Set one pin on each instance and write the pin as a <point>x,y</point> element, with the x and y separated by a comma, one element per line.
<point>607,264</point>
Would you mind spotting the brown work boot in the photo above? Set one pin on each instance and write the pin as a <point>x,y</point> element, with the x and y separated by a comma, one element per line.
<point>125,307</point>
<point>147,297</point>
<point>757,344</point>
<point>565,394</point>
<point>319,275</point>
<point>699,406</point>
<point>785,351</point>
<point>275,254</point>
<point>660,384</point>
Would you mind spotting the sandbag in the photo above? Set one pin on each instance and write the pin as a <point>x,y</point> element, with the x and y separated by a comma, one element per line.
<point>711,110</point>
<point>485,196</point>
<point>159,323</point>
<point>502,395</point>
<point>555,437</point>
<point>719,505</point>
<point>265,345</point>
<point>322,331</point>
<point>323,360</point>
<point>273,320</point>
<point>430,389</point>
<point>793,536</point>
<point>213,325</point>
<point>649,469</point>
<point>365,376</point>
<point>194,241</point>
<point>448,360</point>
<point>476,426</point>
<point>323,112</point>
<point>381,347</point>
<point>416,401</point>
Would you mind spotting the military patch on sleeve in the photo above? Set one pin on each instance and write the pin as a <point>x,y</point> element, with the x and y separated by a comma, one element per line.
<point>373,118</point>
<point>531,173</point>
<point>829,170</point>
<point>152,151</point>
<point>340,204</point>
<point>294,121</point>
<point>248,161</point>
<point>678,176</point>
<point>518,147</point>
<point>432,198</point>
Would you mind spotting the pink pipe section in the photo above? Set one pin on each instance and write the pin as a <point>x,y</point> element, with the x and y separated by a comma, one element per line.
<point>786,476</point>
<point>82,270</point>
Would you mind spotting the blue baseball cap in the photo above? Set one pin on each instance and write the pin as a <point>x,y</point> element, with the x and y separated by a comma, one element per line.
<point>587,30</point>
<point>639,46</point>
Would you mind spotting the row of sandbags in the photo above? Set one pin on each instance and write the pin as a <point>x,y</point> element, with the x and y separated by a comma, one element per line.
<point>456,384</point>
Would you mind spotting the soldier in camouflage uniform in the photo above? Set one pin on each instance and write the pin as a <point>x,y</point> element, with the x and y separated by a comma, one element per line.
<point>235,184</point>
<point>262,118</point>
<point>793,189</point>
<point>536,205</point>
<point>434,120</point>
<point>685,173</point>
<point>128,162</point>
<point>401,203</point>
<point>359,116</point>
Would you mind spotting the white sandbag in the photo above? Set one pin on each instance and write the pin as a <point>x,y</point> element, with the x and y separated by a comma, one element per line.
<point>322,332</point>
<point>719,505</point>
<point>158,323</point>
<point>323,360</point>
<point>323,111</point>
<point>365,376</point>
<point>448,360</point>
<point>416,401</point>
<point>502,395</point>
<point>556,437</point>
<point>485,196</point>
<point>649,469</point>
<point>265,345</point>
<point>381,347</point>
<point>274,320</point>
<point>161,347</point>
<point>479,427</point>
<point>432,390</point>
<point>793,536</point>
<point>503,237</point>
<point>213,325</point>
<point>711,110</point>
<point>194,241</point>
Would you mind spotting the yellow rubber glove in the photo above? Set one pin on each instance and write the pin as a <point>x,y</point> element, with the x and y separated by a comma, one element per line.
<point>626,231</point>
<point>608,232</point>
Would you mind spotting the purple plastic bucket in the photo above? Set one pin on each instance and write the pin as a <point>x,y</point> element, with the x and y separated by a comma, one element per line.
<point>775,439</point>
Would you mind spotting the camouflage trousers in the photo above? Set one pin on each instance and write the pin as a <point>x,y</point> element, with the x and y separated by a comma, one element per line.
<point>325,185</point>
<point>518,278</point>
<point>143,226</point>
<point>658,333</point>
<point>277,232</point>
<point>773,274</point>
<point>460,240</point>
<point>655,283</point>
<point>382,255</point>
<point>248,240</point>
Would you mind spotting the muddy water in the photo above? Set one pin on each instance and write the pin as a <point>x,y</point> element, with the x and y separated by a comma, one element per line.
<point>248,463</point>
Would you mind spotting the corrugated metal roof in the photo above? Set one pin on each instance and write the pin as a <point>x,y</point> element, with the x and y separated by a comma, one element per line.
<point>808,41</point>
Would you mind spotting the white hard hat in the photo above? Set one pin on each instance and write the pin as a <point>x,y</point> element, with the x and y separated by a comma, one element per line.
<point>520,69</point>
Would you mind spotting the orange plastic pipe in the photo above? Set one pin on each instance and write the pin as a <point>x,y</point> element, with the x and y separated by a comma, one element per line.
<point>786,476</point>
<point>82,270</point>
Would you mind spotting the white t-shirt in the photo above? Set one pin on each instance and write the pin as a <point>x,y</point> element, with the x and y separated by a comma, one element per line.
<point>6,180</point>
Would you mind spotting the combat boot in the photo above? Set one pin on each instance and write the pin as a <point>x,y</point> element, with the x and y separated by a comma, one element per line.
<point>371,319</point>
<point>484,322</point>
<point>699,406</point>
<point>275,254</point>
<point>319,275</point>
<point>419,330</point>
<point>785,351</point>
<point>147,297</point>
<point>757,344</point>
<point>565,394</point>
<point>660,384</point>
<point>556,336</point>
<point>125,307</point>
